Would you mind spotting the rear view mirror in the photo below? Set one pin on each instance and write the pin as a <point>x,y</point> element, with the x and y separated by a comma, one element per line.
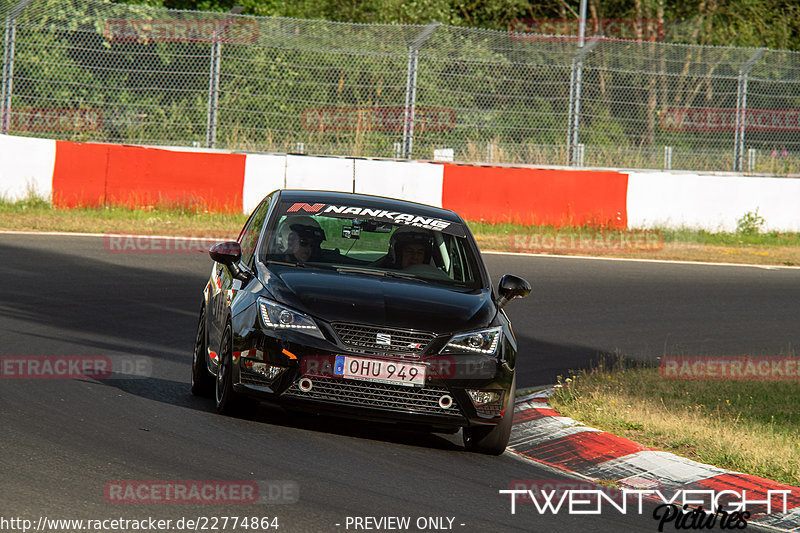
<point>511,287</point>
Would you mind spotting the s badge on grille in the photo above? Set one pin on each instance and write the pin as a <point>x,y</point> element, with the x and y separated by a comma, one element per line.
<point>384,339</point>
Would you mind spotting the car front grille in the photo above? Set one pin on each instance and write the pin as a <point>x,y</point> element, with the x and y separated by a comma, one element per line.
<point>383,396</point>
<point>373,339</point>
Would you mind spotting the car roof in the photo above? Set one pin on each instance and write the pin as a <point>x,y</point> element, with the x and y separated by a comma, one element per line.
<point>366,200</point>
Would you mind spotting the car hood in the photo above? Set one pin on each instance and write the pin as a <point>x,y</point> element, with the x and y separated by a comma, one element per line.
<point>369,299</point>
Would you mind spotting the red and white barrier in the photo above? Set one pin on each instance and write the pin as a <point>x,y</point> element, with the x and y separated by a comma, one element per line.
<point>536,196</point>
<point>263,173</point>
<point>74,174</point>
<point>413,180</point>
<point>541,434</point>
<point>26,165</point>
<point>711,202</point>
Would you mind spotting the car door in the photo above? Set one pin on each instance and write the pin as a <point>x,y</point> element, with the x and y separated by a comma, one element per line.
<point>224,287</point>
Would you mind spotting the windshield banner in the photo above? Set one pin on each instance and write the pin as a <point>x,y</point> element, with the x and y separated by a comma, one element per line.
<point>376,214</point>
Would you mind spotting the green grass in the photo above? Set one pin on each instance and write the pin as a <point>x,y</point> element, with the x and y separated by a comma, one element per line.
<point>682,235</point>
<point>772,238</point>
<point>749,246</point>
<point>746,426</point>
<point>35,213</point>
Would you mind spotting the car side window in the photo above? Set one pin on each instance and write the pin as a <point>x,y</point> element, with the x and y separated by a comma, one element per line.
<point>248,239</point>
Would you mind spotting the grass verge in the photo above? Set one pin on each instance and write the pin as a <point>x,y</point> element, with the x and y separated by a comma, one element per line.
<point>746,426</point>
<point>751,246</point>
<point>38,215</point>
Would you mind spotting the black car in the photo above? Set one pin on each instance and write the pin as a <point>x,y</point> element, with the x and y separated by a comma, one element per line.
<point>360,306</point>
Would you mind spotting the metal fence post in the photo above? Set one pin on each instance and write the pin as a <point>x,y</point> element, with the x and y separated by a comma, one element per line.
<point>411,87</point>
<point>213,81</point>
<point>9,42</point>
<point>741,109</point>
<point>213,94</point>
<point>575,100</point>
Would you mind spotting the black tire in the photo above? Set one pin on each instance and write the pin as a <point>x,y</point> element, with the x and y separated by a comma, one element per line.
<point>228,401</point>
<point>202,379</point>
<point>492,440</point>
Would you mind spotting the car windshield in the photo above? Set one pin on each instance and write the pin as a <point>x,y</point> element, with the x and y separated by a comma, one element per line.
<point>425,249</point>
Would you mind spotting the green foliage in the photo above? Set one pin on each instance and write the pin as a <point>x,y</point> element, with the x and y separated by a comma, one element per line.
<point>509,97</point>
<point>771,23</point>
<point>750,223</point>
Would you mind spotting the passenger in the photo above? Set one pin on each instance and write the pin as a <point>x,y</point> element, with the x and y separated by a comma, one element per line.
<point>412,253</point>
<point>408,246</point>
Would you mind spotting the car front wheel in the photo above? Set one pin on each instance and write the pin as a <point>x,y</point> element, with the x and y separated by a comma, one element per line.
<point>229,402</point>
<point>202,379</point>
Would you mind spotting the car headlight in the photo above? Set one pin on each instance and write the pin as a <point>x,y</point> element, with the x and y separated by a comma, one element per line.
<point>276,316</point>
<point>484,341</point>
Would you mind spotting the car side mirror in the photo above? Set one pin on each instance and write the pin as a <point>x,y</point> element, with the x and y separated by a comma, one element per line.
<point>511,287</point>
<point>229,254</point>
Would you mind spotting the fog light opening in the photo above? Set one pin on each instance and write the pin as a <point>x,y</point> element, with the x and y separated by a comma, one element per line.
<point>305,385</point>
<point>446,401</point>
<point>264,369</point>
<point>486,402</point>
<point>483,397</point>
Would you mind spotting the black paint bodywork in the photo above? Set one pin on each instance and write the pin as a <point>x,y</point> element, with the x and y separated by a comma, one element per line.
<point>231,298</point>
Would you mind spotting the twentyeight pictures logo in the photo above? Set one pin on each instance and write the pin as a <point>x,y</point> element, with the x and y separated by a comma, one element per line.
<point>687,508</point>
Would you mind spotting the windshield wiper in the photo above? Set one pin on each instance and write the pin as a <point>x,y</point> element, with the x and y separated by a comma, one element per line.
<point>285,263</point>
<point>356,270</point>
<point>403,275</point>
<point>306,264</point>
<point>383,273</point>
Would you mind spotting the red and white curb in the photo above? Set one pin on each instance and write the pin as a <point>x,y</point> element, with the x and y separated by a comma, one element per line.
<point>541,434</point>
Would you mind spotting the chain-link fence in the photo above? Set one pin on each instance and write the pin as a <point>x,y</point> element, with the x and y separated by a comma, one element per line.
<point>94,71</point>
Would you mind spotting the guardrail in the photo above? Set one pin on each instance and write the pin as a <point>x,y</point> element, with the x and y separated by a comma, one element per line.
<point>74,174</point>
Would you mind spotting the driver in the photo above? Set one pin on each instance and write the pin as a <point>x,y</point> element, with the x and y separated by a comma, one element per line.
<point>303,240</point>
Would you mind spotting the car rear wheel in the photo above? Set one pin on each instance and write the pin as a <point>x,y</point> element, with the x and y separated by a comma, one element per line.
<point>202,379</point>
<point>492,440</point>
<point>228,401</point>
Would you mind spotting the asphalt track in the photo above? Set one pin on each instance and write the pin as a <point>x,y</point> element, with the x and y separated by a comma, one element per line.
<point>63,440</point>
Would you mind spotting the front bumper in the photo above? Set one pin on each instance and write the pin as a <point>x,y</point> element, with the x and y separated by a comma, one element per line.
<point>300,376</point>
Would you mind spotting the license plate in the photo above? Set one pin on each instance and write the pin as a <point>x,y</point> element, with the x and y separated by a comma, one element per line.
<point>395,372</point>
